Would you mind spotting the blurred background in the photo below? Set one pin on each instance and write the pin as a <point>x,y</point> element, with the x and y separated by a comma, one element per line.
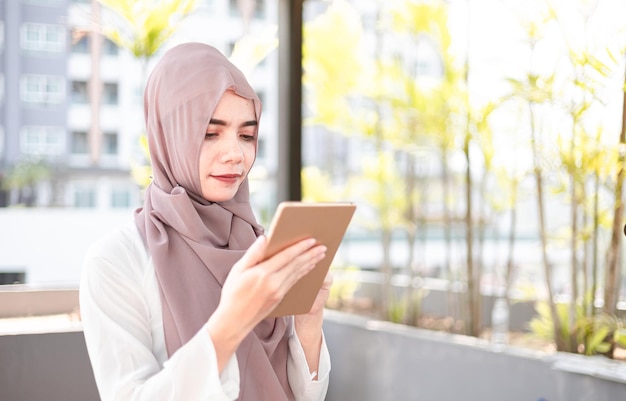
<point>482,140</point>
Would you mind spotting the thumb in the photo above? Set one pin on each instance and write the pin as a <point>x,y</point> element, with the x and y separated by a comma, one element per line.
<point>328,281</point>
<point>254,254</point>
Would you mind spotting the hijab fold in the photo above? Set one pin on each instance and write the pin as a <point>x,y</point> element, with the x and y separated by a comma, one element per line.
<point>194,243</point>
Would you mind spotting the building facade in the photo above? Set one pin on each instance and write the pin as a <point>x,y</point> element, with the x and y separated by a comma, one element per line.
<point>65,145</point>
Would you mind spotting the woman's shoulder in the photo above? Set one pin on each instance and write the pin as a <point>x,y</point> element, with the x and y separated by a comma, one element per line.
<point>119,249</point>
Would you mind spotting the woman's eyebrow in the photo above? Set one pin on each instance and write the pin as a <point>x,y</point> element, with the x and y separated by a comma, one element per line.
<point>215,121</point>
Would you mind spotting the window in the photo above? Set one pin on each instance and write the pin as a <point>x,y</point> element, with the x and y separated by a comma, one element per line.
<point>261,151</point>
<point>261,95</point>
<point>80,143</point>
<point>1,34</point>
<point>43,37</point>
<point>120,198</point>
<point>84,197</point>
<point>109,143</point>
<point>109,48</point>
<point>50,3</point>
<point>1,88</point>
<point>206,6</point>
<point>259,8</point>
<point>42,89</point>
<point>1,142</point>
<point>109,93</point>
<point>80,43</point>
<point>80,94</point>
<point>13,277</point>
<point>42,140</point>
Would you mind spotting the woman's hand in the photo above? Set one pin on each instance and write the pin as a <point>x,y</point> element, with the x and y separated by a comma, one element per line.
<point>309,326</point>
<point>254,288</point>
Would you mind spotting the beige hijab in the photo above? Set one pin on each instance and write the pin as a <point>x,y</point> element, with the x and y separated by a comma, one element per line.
<point>194,243</point>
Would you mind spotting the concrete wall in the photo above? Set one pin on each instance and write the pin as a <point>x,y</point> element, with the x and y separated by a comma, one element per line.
<point>46,367</point>
<point>371,360</point>
<point>24,300</point>
<point>382,361</point>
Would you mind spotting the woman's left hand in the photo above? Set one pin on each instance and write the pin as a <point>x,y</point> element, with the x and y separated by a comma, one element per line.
<point>322,296</point>
<point>309,326</point>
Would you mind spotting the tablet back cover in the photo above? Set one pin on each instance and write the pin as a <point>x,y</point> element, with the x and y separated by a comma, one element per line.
<point>294,221</point>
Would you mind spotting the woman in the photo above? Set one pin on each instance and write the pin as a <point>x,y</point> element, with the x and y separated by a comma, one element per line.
<point>174,305</point>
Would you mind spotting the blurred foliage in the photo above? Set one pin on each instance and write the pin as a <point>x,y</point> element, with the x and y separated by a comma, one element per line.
<point>26,173</point>
<point>24,176</point>
<point>317,186</point>
<point>145,28</point>
<point>142,172</point>
<point>345,284</point>
<point>590,335</point>
<point>146,24</point>
<point>557,143</point>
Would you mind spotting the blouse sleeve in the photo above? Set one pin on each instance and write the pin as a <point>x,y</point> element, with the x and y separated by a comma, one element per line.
<point>117,328</point>
<point>302,381</point>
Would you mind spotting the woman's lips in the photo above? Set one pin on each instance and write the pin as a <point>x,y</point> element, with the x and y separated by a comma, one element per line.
<point>227,178</point>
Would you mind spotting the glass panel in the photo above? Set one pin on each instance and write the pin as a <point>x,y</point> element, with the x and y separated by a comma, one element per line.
<point>81,45</point>
<point>42,89</point>
<point>109,93</point>
<point>43,37</point>
<point>80,143</point>
<point>80,95</point>
<point>109,48</point>
<point>109,143</point>
<point>84,197</point>
<point>42,141</point>
<point>120,198</point>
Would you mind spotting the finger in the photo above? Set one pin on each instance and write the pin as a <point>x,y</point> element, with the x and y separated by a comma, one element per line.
<point>328,281</point>
<point>289,254</point>
<point>299,266</point>
<point>254,254</point>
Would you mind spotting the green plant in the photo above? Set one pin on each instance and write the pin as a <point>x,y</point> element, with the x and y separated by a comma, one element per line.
<point>147,24</point>
<point>142,172</point>
<point>24,177</point>
<point>619,335</point>
<point>589,335</point>
<point>345,284</point>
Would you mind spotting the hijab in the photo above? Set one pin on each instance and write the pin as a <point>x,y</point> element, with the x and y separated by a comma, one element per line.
<point>194,243</point>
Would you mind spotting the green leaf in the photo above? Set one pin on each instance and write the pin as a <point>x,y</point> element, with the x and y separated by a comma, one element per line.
<point>620,337</point>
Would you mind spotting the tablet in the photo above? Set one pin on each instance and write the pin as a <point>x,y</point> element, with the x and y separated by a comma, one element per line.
<point>294,221</point>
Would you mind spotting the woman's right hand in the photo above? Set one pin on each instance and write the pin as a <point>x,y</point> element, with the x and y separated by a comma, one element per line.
<point>254,287</point>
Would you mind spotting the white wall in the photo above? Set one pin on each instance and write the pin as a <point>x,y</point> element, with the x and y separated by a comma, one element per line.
<point>50,244</point>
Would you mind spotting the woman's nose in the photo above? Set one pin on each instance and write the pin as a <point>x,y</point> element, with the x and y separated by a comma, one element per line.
<point>232,151</point>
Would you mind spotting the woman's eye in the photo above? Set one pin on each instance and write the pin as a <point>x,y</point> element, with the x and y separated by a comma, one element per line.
<point>248,138</point>
<point>210,135</point>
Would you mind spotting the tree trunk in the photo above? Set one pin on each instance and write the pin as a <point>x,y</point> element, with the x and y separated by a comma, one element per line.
<point>573,243</point>
<point>387,270</point>
<point>446,268</point>
<point>473,284</point>
<point>411,314</point>
<point>556,321</point>
<point>594,255</point>
<point>473,278</point>
<point>508,276</point>
<point>611,283</point>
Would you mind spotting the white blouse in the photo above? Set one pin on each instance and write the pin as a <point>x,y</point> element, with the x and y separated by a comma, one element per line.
<point>122,321</point>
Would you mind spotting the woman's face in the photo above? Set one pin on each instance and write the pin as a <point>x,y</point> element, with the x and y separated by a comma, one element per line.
<point>229,147</point>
